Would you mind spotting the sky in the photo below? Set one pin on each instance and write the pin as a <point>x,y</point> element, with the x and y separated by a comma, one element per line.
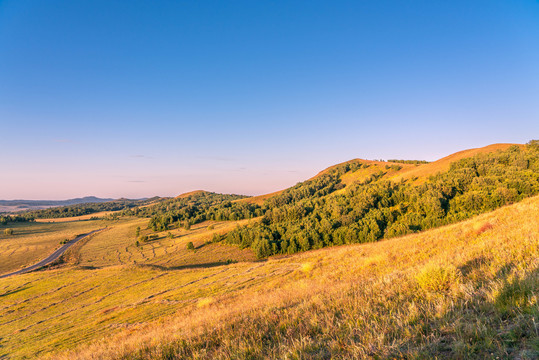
<point>156,98</point>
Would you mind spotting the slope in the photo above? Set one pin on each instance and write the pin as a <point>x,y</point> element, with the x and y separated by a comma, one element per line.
<point>425,170</point>
<point>467,290</point>
<point>397,171</point>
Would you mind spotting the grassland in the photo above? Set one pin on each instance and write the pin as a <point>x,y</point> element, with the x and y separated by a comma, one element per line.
<point>418,172</point>
<point>32,242</point>
<point>467,290</point>
<point>118,245</point>
<point>423,171</point>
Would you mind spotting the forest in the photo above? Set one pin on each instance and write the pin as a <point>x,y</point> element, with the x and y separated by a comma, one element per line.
<point>190,209</point>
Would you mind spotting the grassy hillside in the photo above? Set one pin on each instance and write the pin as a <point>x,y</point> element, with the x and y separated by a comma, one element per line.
<point>31,242</point>
<point>468,290</point>
<point>164,282</point>
<point>360,201</point>
<point>422,172</point>
<point>119,245</point>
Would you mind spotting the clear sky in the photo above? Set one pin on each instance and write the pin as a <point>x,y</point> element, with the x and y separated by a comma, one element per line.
<point>142,98</point>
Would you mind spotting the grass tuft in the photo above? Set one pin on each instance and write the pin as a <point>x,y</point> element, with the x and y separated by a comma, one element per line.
<point>438,278</point>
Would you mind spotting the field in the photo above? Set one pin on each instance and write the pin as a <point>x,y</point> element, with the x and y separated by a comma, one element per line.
<point>467,290</point>
<point>118,246</point>
<point>32,242</point>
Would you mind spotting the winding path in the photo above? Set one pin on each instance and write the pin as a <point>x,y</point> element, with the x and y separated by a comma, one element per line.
<point>52,257</point>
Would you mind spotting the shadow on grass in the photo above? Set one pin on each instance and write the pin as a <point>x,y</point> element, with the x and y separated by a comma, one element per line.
<point>195,266</point>
<point>500,327</point>
<point>13,291</point>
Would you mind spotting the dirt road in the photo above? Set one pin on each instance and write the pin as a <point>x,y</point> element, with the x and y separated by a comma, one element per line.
<point>52,257</point>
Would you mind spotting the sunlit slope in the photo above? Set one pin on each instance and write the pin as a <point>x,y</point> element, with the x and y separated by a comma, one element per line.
<point>443,164</point>
<point>191,193</point>
<point>351,301</point>
<point>394,171</point>
<point>119,245</point>
<point>467,290</point>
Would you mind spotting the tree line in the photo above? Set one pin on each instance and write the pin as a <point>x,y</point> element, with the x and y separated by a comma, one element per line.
<point>314,214</point>
<point>376,208</point>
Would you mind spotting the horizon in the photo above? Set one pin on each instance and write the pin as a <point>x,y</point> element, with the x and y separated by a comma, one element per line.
<point>138,100</point>
<point>249,195</point>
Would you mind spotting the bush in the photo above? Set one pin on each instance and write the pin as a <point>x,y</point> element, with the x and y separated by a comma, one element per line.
<point>437,278</point>
<point>190,246</point>
<point>144,238</point>
<point>8,232</point>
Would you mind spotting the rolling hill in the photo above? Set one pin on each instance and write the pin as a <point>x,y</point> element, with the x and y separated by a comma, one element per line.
<point>467,290</point>
<point>367,259</point>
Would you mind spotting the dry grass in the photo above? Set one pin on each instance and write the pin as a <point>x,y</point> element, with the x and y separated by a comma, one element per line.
<point>452,292</point>
<point>190,193</point>
<point>443,164</point>
<point>445,293</point>
<point>118,246</point>
<point>32,242</point>
<point>259,199</point>
<point>407,171</point>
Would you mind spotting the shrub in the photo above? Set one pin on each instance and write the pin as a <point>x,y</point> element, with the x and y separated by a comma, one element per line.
<point>8,231</point>
<point>437,278</point>
<point>144,238</point>
<point>190,246</point>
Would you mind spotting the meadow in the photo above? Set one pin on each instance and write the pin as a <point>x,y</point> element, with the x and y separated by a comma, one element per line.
<point>33,241</point>
<point>119,245</point>
<point>467,290</point>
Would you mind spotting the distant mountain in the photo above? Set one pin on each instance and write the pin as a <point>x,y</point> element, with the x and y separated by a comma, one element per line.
<point>21,205</point>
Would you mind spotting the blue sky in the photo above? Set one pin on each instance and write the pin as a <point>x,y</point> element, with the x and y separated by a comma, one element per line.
<point>143,98</point>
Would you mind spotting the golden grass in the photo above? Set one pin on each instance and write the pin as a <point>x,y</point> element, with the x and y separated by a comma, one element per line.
<point>118,246</point>
<point>190,193</point>
<point>407,171</point>
<point>259,199</point>
<point>443,164</point>
<point>445,293</point>
<point>454,292</point>
<point>375,168</point>
<point>32,242</point>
